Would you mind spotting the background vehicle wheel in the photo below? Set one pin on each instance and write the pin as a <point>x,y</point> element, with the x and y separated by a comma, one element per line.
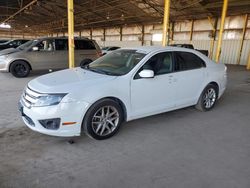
<point>20,69</point>
<point>103,119</point>
<point>208,98</point>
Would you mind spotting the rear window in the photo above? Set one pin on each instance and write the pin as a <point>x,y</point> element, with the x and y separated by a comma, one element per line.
<point>62,44</point>
<point>187,61</point>
<point>84,45</point>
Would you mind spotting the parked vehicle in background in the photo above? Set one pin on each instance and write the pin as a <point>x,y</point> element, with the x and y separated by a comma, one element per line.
<point>47,53</point>
<point>123,85</point>
<point>108,49</point>
<point>190,46</point>
<point>12,43</point>
<point>19,48</point>
<point>3,40</point>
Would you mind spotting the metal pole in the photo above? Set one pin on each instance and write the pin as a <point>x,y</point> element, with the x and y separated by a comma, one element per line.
<point>172,33</point>
<point>142,35</point>
<point>191,31</point>
<point>213,37</point>
<point>91,33</point>
<point>242,38</point>
<point>223,16</point>
<point>248,63</point>
<point>165,22</point>
<point>71,33</point>
<point>121,33</point>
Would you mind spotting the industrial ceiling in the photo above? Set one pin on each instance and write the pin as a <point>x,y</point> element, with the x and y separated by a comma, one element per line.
<point>51,15</point>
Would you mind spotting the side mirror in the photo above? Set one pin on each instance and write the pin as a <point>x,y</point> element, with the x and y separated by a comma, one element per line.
<point>147,73</point>
<point>85,62</point>
<point>35,48</point>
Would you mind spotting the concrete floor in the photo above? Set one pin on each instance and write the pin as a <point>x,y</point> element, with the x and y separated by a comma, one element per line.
<point>184,148</point>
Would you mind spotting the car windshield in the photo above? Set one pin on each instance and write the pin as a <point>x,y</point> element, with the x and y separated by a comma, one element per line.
<point>7,42</point>
<point>116,63</point>
<point>26,45</point>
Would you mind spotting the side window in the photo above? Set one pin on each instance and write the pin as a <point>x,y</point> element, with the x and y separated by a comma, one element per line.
<point>84,45</point>
<point>46,45</point>
<point>161,63</point>
<point>61,44</point>
<point>187,61</point>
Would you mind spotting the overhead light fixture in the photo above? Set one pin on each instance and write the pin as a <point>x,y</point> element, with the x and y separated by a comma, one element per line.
<point>108,17</point>
<point>26,26</point>
<point>5,26</point>
<point>122,17</point>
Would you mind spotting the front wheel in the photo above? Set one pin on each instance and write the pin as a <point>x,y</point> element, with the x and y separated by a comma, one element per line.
<point>20,69</point>
<point>103,119</point>
<point>208,98</point>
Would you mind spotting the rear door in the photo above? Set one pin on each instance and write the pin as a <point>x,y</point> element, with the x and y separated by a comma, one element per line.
<point>84,49</point>
<point>189,76</point>
<point>60,57</point>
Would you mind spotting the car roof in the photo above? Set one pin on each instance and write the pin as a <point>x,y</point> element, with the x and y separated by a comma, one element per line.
<point>79,38</point>
<point>149,49</point>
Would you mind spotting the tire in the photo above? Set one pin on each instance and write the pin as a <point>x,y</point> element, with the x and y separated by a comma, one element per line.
<point>98,124</point>
<point>20,69</point>
<point>208,98</point>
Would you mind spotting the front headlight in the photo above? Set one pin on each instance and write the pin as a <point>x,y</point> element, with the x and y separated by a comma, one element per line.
<point>49,100</point>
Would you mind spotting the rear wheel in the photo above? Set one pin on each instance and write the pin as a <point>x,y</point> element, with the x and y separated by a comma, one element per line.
<point>103,119</point>
<point>20,69</point>
<point>208,98</point>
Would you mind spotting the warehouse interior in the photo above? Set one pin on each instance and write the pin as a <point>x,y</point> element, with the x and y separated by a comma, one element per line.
<point>182,148</point>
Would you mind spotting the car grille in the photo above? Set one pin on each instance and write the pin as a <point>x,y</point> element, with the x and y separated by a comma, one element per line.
<point>30,97</point>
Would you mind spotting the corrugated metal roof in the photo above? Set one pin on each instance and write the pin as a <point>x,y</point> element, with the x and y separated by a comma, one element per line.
<point>51,15</point>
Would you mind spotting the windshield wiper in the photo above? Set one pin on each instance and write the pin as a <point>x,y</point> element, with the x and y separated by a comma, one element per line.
<point>99,71</point>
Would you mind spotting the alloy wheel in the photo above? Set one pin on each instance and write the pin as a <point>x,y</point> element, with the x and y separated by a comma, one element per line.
<point>105,120</point>
<point>209,98</point>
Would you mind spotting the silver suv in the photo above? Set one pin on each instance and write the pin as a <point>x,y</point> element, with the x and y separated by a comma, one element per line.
<point>46,53</point>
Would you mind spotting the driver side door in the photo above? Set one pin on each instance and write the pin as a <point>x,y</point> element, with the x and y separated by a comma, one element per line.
<point>154,95</point>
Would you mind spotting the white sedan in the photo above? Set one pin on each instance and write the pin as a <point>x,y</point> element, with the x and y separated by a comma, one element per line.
<point>124,85</point>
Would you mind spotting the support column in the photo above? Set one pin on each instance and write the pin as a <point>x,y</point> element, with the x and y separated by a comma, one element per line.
<point>120,33</point>
<point>172,33</point>
<point>242,38</point>
<point>104,34</point>
<point>222,23</point>
<point>142,35</point>
<point>191,31</point>
<point>166,22</point>
<point>71,33</point>
<point>213,37</point>
<point>248,62</point>
<point>91,33</point>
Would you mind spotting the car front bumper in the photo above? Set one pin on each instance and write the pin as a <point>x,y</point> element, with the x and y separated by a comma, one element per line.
<point>67,112</point>
<point>4,67</point>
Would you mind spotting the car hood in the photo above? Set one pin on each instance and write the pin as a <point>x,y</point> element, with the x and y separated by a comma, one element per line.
<point>8,51</point>
<point>68,80</point>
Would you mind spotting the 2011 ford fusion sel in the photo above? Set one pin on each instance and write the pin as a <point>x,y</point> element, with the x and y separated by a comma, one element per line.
<point>124,85</point>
